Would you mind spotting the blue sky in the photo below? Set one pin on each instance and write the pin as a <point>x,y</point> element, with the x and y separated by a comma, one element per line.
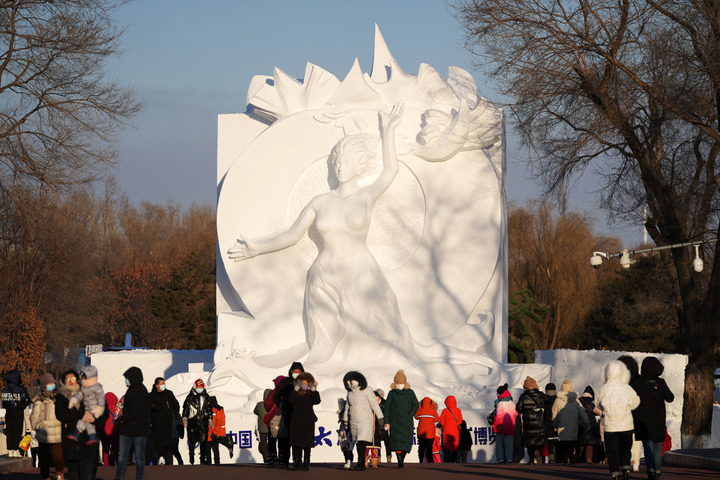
<point>191,61</point>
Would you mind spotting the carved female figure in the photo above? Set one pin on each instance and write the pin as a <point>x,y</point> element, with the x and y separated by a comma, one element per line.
<point>346,292</point>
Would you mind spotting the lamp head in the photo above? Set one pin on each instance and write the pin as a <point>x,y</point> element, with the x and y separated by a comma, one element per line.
<point>595,261</point>
<point>698,263</point>
<point>625,258</point>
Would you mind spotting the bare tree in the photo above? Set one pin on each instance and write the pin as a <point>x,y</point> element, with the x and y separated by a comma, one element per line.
<point>631,87</point>
<point>546,255</point>
<point>58,111</point>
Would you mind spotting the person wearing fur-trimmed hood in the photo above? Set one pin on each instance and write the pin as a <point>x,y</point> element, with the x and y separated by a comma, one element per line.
<point>400,407</point>
<point>302,428</point>
<point>359,414</point>
<point>617,400</point>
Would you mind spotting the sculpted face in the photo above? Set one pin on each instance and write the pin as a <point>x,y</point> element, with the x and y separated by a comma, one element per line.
<point>347,162</point>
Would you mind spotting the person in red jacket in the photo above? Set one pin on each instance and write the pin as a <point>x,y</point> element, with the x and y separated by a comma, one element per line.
<point>450,422</point>
<point>216,431</point>
<point>109,435</point>
<point>427,417</point>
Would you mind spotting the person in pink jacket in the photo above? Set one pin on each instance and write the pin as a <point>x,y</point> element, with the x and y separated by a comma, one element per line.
<point>450,419</point>
<point>504,425</point>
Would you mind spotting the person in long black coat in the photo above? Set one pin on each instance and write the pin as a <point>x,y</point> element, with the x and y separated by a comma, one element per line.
<point>164,409</point>
<point>649,417</point>
<point>590,441</point>
<point>81,459</point>
<point>281,397</point>
<point>302,429</point>
<point>14,400</point>
<point>531,407</point>
<point>133,423</point>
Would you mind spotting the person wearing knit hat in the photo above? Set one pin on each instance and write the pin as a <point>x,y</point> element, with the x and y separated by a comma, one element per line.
<point>48,429</point>
<point>590,439</point>
<point>568,416</point>
<point>197,419</point>
<point>504,425</point>
<point>530,407</point>
<point>400,406</point>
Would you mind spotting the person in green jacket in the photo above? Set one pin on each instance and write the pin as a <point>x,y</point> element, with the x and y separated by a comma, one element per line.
<point>400,407</point>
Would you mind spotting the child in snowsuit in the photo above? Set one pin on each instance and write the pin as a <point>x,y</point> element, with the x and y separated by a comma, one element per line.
<point>437,446</point>
<point>92,396</point>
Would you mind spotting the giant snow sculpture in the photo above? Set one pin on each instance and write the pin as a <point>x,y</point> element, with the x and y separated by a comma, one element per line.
<point>361,226</point>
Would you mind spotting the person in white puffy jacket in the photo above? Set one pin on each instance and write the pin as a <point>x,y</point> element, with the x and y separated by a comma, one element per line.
<point>358,414</point>
<point>617,399</point>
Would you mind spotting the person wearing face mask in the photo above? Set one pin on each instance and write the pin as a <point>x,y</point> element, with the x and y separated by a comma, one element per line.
<point>281,398</point>
<point>400,407</point>
<point>302,429</point>
<point>359,414</point>
<point>48,429</point>
<point>133,423</point>
<point>164,408</point>
<point>81,459</point>
<point>197,419</point>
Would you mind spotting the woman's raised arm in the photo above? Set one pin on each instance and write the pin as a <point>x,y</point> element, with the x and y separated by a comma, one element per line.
<point>388,123</point>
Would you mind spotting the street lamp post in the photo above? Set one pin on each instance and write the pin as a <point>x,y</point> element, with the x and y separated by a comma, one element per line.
<point>625,254</point>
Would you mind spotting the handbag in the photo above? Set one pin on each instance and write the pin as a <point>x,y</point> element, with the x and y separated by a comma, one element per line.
<point>117,413</point>
<point>25,443</point>
<point>491,417</point>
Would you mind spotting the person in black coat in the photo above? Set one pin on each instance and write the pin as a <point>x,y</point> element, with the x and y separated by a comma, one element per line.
<point>281,397</point>
<point>133,423</point>
<point>302,429</point>
<point>649,417</point>
<point>551,433</point>
<point>590,440</point>
<point>531,407</point>
<point>14,400</point>
<point>465,443</point>
<point>81,459</point>
<point>164,408</point>
<point>197,418</point>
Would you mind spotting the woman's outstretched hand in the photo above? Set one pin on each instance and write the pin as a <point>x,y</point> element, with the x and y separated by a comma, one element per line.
<point>392,119</point>
<point>242,250</point>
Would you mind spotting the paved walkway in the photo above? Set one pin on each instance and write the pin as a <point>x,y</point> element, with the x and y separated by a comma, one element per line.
<point>416,471</point>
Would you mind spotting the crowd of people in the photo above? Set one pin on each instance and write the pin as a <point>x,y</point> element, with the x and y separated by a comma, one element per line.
<point>69,420</point>
<point>71,417</point>
<point>552,426</point>
<point>627,415</point>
